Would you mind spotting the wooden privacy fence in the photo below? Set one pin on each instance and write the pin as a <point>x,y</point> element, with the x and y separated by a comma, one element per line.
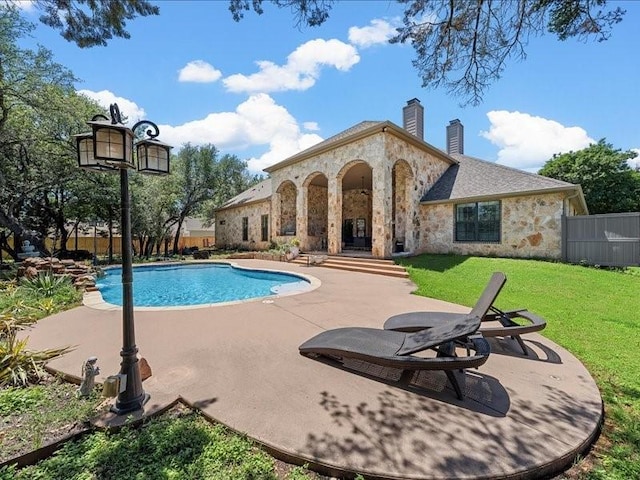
<point>611,240</point>
<point>102,244</point>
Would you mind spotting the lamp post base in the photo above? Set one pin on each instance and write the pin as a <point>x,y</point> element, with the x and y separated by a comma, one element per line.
<point>120,408</point>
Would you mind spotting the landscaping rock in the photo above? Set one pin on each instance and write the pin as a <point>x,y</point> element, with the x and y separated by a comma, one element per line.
<point>145,369</point>
<point>31,272</point>
<point>79,273</point>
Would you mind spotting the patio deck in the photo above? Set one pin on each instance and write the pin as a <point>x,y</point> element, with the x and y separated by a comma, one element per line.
<point>522,417</point>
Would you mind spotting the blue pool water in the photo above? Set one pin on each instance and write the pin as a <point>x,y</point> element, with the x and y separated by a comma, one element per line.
<point>175,285</point>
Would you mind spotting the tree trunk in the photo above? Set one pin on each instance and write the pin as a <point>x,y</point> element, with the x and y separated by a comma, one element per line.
<point>19,234</point>
<point>176,239</point>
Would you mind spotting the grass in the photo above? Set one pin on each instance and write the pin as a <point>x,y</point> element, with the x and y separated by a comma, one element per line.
<point>594,313</point>
<point>179,445</point>
<point>40,414</point>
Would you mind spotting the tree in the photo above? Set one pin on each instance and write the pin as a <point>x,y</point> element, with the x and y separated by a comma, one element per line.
<point>205,179</point>
<point>153,210</point>
<point>39,111</point>
<point>89,22</point>
<point>464,45</point>
<point>609,184</point>
<point>461,45</point>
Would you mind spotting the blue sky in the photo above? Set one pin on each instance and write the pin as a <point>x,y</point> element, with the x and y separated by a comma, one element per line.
<point>263,89</point>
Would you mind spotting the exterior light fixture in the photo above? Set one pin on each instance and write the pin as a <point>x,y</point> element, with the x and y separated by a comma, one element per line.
<point>110,147</point>
<point>86,158</point>
<point>153,156</point>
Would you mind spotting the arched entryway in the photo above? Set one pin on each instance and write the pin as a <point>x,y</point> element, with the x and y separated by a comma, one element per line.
<point>357,200</point>
<point>402,207</point>
<point>316,186</point>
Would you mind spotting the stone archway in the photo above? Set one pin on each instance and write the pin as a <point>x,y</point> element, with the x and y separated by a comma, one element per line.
<point>356,219</point>
<point>402,207</point>
<point>317,207</point>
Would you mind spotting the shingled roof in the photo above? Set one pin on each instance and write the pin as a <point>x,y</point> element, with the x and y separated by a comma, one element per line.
<point>475,178</point>
<point>258,192</point>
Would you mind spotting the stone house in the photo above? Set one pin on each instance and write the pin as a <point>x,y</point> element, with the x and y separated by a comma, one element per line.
<point>381,188</point>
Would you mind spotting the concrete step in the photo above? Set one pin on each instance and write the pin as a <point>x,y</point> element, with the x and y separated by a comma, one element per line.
<point>355,264</point>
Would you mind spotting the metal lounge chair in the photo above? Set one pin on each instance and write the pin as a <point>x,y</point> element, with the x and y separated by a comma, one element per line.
<point>396,349</point>
<point>484,308</point>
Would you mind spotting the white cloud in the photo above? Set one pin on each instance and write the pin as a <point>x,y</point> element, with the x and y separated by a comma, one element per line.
<point>527,142</point>
<point>128,109</point>
<point>258,121</point>
<point>199,71</point>
<point>380,31</point>
<point>311,126</point>
<point>301,70</point>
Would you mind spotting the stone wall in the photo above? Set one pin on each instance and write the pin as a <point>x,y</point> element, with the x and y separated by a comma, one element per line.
<point>531,226</point>
<point>318,210</point>
<point>288,196</point>
<point>380,151</point>
<point>229,226</point>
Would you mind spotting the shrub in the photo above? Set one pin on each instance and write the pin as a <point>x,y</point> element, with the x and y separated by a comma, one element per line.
<point>47,284</point>
<point>19,366</point>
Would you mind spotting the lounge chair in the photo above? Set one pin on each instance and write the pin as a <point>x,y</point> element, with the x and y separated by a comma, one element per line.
<point>396,349</point>
<point>484,308</point>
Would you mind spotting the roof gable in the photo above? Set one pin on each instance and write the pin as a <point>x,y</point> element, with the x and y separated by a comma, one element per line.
<point>358,131</point>
<point>260,191</point>
<point>474,178</point>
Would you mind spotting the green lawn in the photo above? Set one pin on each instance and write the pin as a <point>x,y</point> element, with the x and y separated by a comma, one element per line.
<point>594,313</point>
<point>182,446</point>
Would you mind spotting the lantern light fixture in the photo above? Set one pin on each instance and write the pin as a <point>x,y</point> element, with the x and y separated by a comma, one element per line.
<point>114,144</point>
<point>110,147</point>
<point>86,158</point>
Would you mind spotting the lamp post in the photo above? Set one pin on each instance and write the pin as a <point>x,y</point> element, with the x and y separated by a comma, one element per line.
<point>109,147</point>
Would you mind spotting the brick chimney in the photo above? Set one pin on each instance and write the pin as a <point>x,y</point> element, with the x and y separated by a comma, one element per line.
<point>455,137</point>
<point>413,118</point>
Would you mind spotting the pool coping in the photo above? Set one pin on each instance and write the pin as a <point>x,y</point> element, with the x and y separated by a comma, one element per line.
<point>94,299</point>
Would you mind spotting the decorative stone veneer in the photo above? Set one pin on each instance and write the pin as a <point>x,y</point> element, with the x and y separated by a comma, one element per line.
<point>530,227</point>
<point>288,193</point>
<point>380,151</point>
<point>402,179</point>
<point>317,216</point>
<point>229,226</point>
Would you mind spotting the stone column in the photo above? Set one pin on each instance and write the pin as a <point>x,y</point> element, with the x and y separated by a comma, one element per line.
<point>275,215</point>
<point>302,217</point>
<point>381,212</point>
<point>334,217</point>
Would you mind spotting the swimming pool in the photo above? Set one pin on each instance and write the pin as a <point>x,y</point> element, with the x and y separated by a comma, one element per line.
<point>198,284</point>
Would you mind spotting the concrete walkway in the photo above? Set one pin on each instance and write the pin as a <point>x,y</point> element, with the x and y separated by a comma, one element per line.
<point>522,417</point>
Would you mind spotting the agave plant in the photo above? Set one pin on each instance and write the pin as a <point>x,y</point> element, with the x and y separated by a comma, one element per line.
<point>46,284</point>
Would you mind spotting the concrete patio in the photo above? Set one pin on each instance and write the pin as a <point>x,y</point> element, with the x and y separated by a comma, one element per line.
<point>523,417</point>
